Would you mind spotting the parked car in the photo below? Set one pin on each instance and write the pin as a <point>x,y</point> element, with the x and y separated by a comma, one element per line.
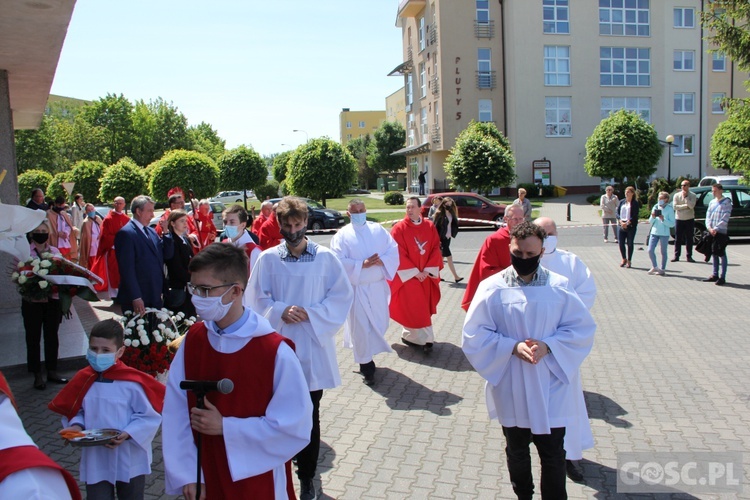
<point>102,210</point>
<point>470,206</point>
<point>216,208</point>
<point>232,196</point>
<point>320,217</point>
<point>739,224</point>
<point>724,180</point>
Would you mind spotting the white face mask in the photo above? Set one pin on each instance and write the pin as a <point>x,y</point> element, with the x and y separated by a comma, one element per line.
<point>358,219</point>
<point>550,243</point>
<point>211,308</point>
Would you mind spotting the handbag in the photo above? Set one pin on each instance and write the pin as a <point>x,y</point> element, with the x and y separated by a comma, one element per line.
<point>705,243</point>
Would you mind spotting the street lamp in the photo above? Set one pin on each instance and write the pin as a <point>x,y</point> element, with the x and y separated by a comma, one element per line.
<point>307,137</point>
<point>669,140</point>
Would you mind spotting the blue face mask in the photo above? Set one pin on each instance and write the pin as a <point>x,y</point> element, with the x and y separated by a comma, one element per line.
<point>231,232</point>
<point>92,214</point>
<point>662,203</point>
<point>358,219</point>
<point>100,362</point>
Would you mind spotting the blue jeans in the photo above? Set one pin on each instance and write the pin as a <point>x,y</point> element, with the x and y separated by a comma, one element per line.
<point>664,242</point>
<point>723,259</point>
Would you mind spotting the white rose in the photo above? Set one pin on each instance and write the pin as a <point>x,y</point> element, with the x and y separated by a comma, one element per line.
<point>155,333</point>
<point>47,255</point>
<point>164,309</point>
<point>20,264</point>
<point>46,263</point>
<point>193,319</point>
<point>181,314</point>
<point>22,279</point>
<point>14,276</point>
<point>145,341</point>
<point>135,343</point>
<point>162,326</point>
<point>127,313</point>
<point>130,324</point>
<point>43,272</point>
<point>35,269</point>
<point>158,338</point>
<point>43,284</point>
<point>128,332</point>
<point>35,262</point>
<point>141,322</point>
<point>127,342</point>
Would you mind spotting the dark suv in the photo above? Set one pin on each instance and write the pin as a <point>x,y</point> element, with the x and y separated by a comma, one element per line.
<point>319,217</point>
<point>739,223</point>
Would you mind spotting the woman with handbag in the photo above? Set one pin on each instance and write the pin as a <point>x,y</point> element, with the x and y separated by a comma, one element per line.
<point>446,223</point>
<point>627,217</point>
<point>177,254</point>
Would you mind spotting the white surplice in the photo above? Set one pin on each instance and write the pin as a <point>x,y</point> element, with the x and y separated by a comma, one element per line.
<point>120,405</point>
<point>41,483</point>
<point>323,289</point>
<point>368,319</point>
<point>520,394</point>
<point>254,445</point>
<point>577,437</point>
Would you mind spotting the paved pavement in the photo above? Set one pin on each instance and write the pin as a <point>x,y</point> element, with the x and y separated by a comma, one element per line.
<point>668,373</point>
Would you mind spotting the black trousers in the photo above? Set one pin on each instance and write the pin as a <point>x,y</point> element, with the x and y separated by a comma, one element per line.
<point>627,236</point>
<point>551,455</point>
<point>104,490</point>
<point>683,232</point>
<point>307,459</point>
<point>38,318</point>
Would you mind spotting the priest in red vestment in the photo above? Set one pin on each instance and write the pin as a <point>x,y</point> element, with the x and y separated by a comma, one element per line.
<point>270,232</point>
<point>106,264</point>
<point>265,212</point>
<point>415,290</point>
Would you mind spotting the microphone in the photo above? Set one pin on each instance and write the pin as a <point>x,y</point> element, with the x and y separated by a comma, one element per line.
<point>224,386</point>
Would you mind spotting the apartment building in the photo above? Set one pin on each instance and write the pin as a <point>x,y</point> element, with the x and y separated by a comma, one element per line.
<point>547,71</point>
<point>353,124</point>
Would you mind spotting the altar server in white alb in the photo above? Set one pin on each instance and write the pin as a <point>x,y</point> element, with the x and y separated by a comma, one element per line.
<point>370,257</point>
<point>577,437</point>
<point>527,333</point>
<point>304,292</point>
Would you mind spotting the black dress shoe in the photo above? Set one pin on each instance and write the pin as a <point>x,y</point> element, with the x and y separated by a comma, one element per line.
<point>369,379</point>
<point>409,343</point>
<point>459,280</point>
<point>39,383</point>
<point>690,259</point>
<point>307,490</point>
<point>676,259</point>
<point>573,471</point>
<point>57,379</point>
<point>720,282</point>
<point>427,348</point>
<point>711,279</point>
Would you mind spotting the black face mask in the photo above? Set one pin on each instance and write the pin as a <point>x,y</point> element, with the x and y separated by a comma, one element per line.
<point>40,237</point>
<point>525,267</point>
<point>57,209</point>
<point>296,238</point>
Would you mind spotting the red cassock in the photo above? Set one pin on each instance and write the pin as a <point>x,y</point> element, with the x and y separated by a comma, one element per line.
<point>258,223</point>
<point>203,362</point>
<point>414,302</point>
<point>206,228</point>
<point>105,263</point>
<point>493,257</point>
<point>270,233</point>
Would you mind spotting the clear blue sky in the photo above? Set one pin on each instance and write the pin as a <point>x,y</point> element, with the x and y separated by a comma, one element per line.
<point>255,70</point>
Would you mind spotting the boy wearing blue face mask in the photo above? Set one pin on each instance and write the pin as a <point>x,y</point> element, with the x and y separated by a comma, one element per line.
<point>235,232</point>
<point>110,395</point>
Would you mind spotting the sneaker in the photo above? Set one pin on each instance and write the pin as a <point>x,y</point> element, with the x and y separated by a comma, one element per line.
<point>606,240</point>
<point>720,282</point>
<point>573,471</point>
<point>711,279</point>
<point>653,270</point>
<point>307,490</point>
<point>661,272</point>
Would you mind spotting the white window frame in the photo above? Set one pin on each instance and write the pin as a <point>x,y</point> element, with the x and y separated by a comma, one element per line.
<point>718,61</point>
<point>362,124</point>
<point>423,123</point>
<point>422,81</point>
<point>348,137</point>
<point>680,17</point>
<point>682,59</point>
<point>484,110</point>
<point>422,33</point>
<point>556,17</point>
<point>409,90</point>
<point>684,103</point>
<point>483,11</point>
<point>717,108</point>
<point>484,67</point>
<point>348,124</point>
<point>640,105</point>
<point>557,65</point>
<point>625,65</point>
<point>557,117</point>
<point>679,145</point>
<point>617,18</point>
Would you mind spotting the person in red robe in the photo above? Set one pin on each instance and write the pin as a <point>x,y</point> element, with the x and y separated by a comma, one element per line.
<point>270,232</point>
<point>415,290</point>
<point>105,265</point>
<point>204,219</point>
<point>494,256</point>
<point>265,212</point>
<point>177,202</point>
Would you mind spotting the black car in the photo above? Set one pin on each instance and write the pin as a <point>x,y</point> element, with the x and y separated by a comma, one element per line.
<point>320,217</point>
<point>739,223</point>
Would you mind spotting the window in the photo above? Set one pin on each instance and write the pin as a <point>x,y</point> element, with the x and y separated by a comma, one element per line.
<point>348,137</point>
<point>718,61</point>
<point>348,124</point>
<point>717,103</point>
<point>422,34</point>
<point>640,105</point>
<point>411,136</point>
<point>485,110</point>
<point>624,67</point>
<point>556,65</point>
<point>684,17</point>
<point>683,145</point>
<point>423,123</point>
<point>409,92</point>
<point>557,116</point>
<point>624,17</point>
<point>684,60</point>
<point>483,11</point>
<point>422,81</point>
<point>437,114</point>
<point>555,16</point>
<point>484,67</point>
<point>361,124</point>
<point>684,102</point>
<point>414,169</point>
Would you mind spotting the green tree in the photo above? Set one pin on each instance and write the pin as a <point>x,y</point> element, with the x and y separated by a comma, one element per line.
<point>321,169</point>
<point>481,159</point>
<point>622,145</point>
<point>88,177</point>
<point>240,169</point>
<point>37,149</point>
<point>279,165</point>
<point>115,115</point>
<point>268,190</point>
<point>158,127</point>
<point>125,178</point>
<point>78,140</point>
<point>204,139</point>
<point>389,137</point>
<point>363,149</point>
<point>30,180</point>
<point>55,189</point>
<point>187,170</point>
<point>730,144</point>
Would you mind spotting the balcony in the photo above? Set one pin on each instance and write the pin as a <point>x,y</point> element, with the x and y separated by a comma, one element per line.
<point>486,80</point>
<point>435,85</point>
<point>435,134</point>
<point>484,29</point>
<point>410,8</point>
<point>433,35</point>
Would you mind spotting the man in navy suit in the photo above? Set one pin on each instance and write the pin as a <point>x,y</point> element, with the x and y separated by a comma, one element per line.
<point>140,259</point>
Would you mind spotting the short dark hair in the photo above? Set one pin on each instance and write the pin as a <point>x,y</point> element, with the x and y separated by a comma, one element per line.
<point>419,202</point>
<point>109,329</point>
<point>60,200</point>
<point>175,215</point>
<point>526,230</point>
<point>718,185</point>
<point>224,261</point>
<point>174,198</point>
<point>291,207</point>
<point>237,209</point>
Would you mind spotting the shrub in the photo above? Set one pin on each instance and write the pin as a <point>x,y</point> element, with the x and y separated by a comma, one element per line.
<point>532,190</point>
<point>30,180</point>
<point>393,198</point>
<point>269,190</point>
<point>55,189</point>
<point>125,178</point>
<point>187,170</point>
<point>657,185</point>
<point>88,177</point>
<point>594,199</point>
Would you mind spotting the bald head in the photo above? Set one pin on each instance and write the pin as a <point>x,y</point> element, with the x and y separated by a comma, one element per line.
<point>548,225</point>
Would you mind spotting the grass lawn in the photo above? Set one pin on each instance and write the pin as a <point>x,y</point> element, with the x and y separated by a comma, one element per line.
<point>341,204</point>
